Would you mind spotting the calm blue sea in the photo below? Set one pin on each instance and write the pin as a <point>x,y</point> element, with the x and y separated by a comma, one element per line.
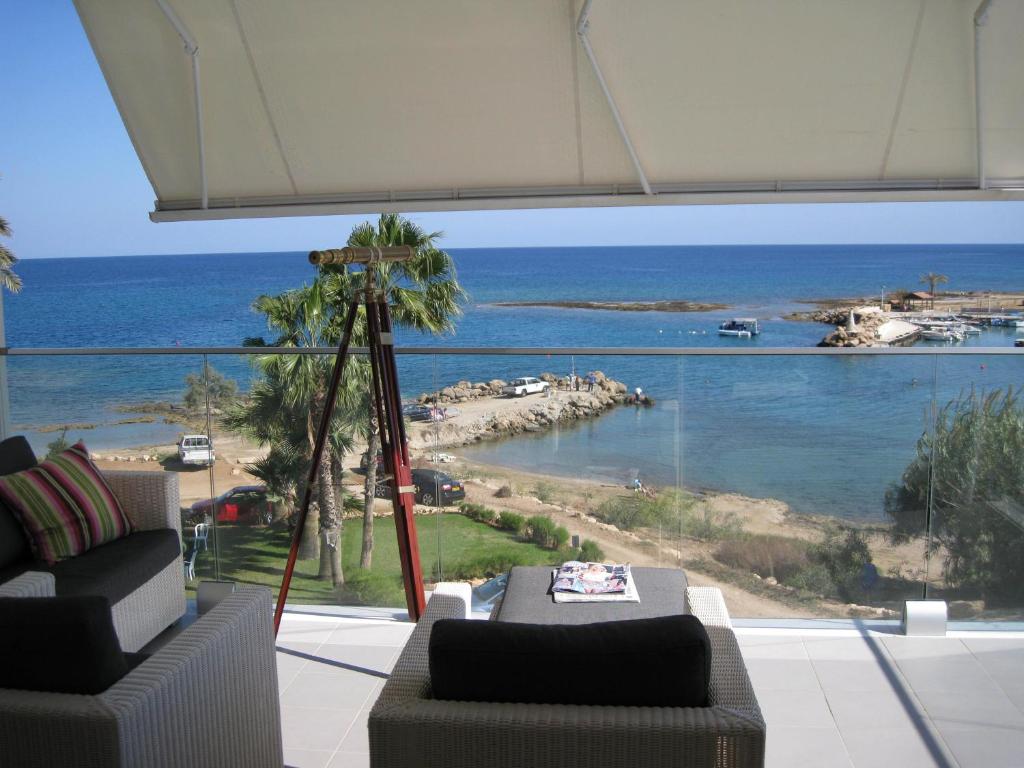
<point>826,435</point>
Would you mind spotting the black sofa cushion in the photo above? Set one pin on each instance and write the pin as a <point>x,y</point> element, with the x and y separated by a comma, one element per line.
<point>118,568</point>
<point>15,456</point>
<point>659,662</point>
<point>60,645</point>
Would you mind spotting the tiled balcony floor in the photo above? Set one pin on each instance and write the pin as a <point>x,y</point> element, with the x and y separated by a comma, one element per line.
<point>829,697</point>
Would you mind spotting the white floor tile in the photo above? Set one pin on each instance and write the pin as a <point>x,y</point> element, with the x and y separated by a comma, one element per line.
<point>782,674</point>
<point>306,758</point>
<point>350,760</point>
<point>341,690</point>
<point>315,729</point>
<point>986,747</point>
<point>794,709</point>
<point>891,747</point>
<point>853,710</point>
<point>805,748</point>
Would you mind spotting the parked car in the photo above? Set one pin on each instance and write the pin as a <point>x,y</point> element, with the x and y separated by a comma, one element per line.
<point>525,386</point>
<point>244,504</point>
<point>195,450</point>
<point>488,594</point>
<point>433,488</point>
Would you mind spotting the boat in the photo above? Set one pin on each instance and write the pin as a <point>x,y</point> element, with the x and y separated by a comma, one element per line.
<point>743,327</point>
<point>1019,342</point>
<point>1018,323</point>
<point>942,334</point>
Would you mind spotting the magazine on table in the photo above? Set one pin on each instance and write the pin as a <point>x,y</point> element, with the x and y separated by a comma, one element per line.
<point>579,582</point>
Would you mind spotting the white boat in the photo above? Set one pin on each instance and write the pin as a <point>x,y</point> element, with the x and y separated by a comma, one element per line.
<point>942,334</point>
<point>1019,323</point>
<point>742,327</point>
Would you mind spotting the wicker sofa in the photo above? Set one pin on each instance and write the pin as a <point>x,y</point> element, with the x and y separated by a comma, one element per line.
<point>207,698</point>
<point>408,727</point>
<point>141,574</point>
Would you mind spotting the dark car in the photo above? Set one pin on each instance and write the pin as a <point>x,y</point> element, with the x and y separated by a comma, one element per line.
<point>433,488</point>
<point>244,504</point>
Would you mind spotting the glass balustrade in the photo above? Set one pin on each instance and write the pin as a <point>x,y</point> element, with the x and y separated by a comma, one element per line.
<point>805,484</point>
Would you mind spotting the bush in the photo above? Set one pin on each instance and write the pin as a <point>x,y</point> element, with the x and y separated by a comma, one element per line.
<point>590,552</point>
<point>778,556</point>
<point>560,537</point>
<point>223,391</point>
<point>545,492</point>
<point>486,565</point>
<point>844,554</point>
<point>710,525</point>
<point>970,474</point>
<point>672,508</point>
<point>478,512</point>
<point>814,579</point>
<point>541,531</point>
<point>505,492</point>
<point>59,445</point>
<point>510,521</point>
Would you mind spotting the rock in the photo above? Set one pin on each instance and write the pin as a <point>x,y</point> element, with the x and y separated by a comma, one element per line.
<point>550,378</point>
<point>447,393</point>
<point>235,471</point>
<point>771,581</point>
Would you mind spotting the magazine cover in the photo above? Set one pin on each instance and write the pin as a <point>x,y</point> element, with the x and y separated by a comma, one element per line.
<point>578,582</point>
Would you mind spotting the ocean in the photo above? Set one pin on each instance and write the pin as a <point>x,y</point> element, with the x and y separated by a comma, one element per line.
<point>826,435</point>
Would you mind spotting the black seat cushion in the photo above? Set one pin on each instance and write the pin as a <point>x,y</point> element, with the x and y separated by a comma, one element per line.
<point>15,456</point>
<point>59,644</point>
<point>659,662</point>
<point>118,568</point>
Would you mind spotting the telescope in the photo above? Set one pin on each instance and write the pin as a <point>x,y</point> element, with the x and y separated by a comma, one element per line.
<point>361,255</point>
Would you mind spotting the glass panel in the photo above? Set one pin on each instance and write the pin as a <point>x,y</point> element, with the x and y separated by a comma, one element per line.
<point>976,526</point>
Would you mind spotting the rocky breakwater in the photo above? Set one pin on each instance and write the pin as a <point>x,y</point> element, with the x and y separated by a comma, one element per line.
<point>469,413</point>
<point>853,330</point>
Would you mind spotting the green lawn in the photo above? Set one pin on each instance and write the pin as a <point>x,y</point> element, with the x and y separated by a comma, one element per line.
<point>461,548</point>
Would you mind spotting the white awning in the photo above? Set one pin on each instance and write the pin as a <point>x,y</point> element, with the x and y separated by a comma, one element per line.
<point>270,108</point>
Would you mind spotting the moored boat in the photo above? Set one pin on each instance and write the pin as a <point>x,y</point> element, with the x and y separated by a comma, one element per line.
<point>743,327</point>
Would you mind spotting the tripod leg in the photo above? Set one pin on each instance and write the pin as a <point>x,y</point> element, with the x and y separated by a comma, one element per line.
<point>318,449</point>
<point>395,450</point>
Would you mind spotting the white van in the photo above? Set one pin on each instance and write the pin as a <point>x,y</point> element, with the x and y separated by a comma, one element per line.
<point>195,449</point>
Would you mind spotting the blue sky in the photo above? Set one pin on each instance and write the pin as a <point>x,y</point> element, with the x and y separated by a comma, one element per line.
<point>71,184</point>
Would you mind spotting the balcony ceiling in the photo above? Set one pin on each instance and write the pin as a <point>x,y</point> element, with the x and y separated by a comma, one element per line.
<point>347,106</point>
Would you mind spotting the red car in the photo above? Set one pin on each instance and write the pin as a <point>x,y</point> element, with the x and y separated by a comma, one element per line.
<point>244,504</point>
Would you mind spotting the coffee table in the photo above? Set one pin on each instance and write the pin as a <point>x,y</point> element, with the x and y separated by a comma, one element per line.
<point>528,598</point>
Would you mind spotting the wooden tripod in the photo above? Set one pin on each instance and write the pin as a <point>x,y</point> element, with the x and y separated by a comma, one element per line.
<point>387,404</point>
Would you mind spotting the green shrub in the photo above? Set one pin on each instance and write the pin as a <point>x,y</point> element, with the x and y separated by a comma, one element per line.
<point>541,531</point>
<point>478,512</point>
<point>843,554</point>
<point>485,565</point>
<point>711,525</point>
<point>778,556</point>
<point>590,552</point>
<point>814,578</point>
<point>59,445</point>
<point>545,492</point>
<point>510,521</point>
<point>968,471</point>
<point>672,509</point>
<point>560,537</point>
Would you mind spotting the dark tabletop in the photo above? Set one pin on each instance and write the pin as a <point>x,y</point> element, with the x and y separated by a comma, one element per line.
<point>528,598</point>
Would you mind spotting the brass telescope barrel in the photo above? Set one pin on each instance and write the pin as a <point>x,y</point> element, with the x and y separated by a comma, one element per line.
<point>361,255</point>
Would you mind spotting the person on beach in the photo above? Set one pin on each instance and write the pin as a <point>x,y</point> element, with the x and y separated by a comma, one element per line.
<point>576,382</point>
<point>638,487</point>
<point>591,380</point>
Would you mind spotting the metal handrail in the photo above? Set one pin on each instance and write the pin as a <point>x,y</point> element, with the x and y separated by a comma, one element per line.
<point>484,351</point>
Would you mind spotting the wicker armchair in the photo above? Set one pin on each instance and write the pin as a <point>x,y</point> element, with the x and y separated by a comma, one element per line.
<point>207,698</point>
<point>409,728</point>
<point>151,501</point>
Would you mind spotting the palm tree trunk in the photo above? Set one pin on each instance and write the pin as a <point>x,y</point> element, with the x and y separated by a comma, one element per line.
<point>330,526</point>
<point>309,543</point>
<point>366,554</point>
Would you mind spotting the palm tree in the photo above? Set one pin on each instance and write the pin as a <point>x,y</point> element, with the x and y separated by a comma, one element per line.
<point>933,279</point>
<point>423,294</point>
<point>8,279</point>
<point>284,408</point>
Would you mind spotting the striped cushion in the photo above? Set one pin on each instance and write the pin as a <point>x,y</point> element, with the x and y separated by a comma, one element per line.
<point>65,505</point>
